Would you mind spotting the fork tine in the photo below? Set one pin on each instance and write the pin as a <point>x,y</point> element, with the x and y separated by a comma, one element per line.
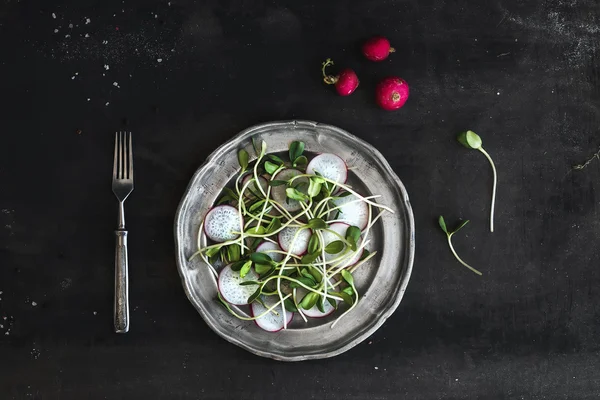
<point>116,162</point>
<point>122,174</point>
<point>130,160</point>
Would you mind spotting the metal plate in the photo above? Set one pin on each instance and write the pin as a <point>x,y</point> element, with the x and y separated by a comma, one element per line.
<point>381,281</point>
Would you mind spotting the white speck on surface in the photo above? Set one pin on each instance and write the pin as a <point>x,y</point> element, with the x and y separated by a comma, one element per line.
<point>498,93</point>
<point>76,73</point>
<point>73,77</point>
<point>169,4</point>
<point>87,21</point>
<point>70,26</point>
<point>67,36</point>
<point>105,42</point>
<point>95,313</point>
<point>33,303</point>
<point>87,35</point>
<point>159,59</point>
<point>1,292</point>
<point>107,103</point>
<point>7,333</point>
<point>56,31</point>
<point>116,84</point>
<point>376,367</point>
<point>88,99</point>
<point>106,67</point>
<point>53,15</point>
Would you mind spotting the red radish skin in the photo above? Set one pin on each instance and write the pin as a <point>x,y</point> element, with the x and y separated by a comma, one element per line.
<point>345,83</point>
<point>391,93</point>
<point>377,48</point>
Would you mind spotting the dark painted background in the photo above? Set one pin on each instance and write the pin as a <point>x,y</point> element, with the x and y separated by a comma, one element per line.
<point>523,74</point>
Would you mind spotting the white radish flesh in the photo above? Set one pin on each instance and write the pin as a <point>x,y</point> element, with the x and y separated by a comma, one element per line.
<point>328,237</point>
<point>329,166</point>
<point>293,241</point>
<point>270,322</point>
<point>271,249</point>
<point>352,210</point>
<point>314,312</point>
<point>230,288</point>
<point>221,223</point>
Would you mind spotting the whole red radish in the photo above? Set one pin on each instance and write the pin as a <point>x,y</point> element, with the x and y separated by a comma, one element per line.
<point>345,83</point>
<point>391,93</point>
<point>377,48</point>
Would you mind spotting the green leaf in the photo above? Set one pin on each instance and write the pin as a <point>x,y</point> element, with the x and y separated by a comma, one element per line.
<point>248,283</point>
<point>309,258</point>
<point>343,194</point>
<point>256,146</point>
<point>462,224</point>
<point>296,150</point>
<point>317,179</point>
<point>278,160</point>
<point>262,269</point>
<point>320,304</point>
<point>274,225</point>
<point>260,258</point>
<point>347,275</point>
<point>352,236</point>
<point>334,247</point>
<point>316,224</point>
<point>256,205</point>
<point>365,254</point>
<point>332,302</point>
<point>277,183</point>
<point>254,296</point>
<point>470,140</point>
<point>256,230</point>
<point>347,299</point>
<point>270,167</point>
<point>316,273</point>
<point>304,280</point>
<point>233,252</point>
<point>224,199</point>
<point>314,245</point>
<point>300,161</point>
<point>243,159</point>
<point>212,251</point>
<point>245,269</point>
<point>295,194</point>
<point>289,305</point>
<point>314,188</point>
<point>236,266</point>
<point>348,290</point>
<point>308,275</point>
<point>442,224</point>
<point>309,300</point>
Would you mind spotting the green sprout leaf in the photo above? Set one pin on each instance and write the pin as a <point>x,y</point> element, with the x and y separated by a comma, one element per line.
<point>260,258</point>
<point>249,283</point>
<point>442,224</point>
<point>462,224</point>
<point>274,225</point>
<point>270,167</point>
<point>256,230</point>
<point>277,183</point>
<point>470,140</point>
<point>316,224</point>
<point>334,247</point>
<point>320,304</point>
<point>348,290</point>
<point>315,273</point>
<point>314,188</point>
<point>296,150</point>
<point>245,269</point>
<point>300,161</point>
<point>262,269</point>
<point>254,296</point>
<point>276,159</point>
<point>212,251</point>
<point>309,258</point>
<point>256,205</point>
<point>347,275</point>
<point>305,281</point>
<point>236,266</point>
<point>243,159</point>
<point>365,254</point>
<point>344,296</point>
<point>233,252</point>
<point>332,302</point>
<point>289,305</point>
<point>309,300</point>
<point>313,245</point>
<point>352,236</point>
<point>255,146</point>
<point>449,237</point>
<point>294,194</point>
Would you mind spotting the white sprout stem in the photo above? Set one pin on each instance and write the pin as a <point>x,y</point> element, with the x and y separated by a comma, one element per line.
<point>350,202</point>
<point>349,309</point>
<point>297,305</point>
<point>493,189</point>
<point>268,310</point>
<point>458,258</point>
<point>285,260</point>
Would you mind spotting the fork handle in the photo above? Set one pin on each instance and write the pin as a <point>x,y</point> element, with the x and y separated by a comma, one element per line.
<point>121,284</point>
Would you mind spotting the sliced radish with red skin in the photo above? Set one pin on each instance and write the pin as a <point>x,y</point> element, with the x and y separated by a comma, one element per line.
<point>329,166</point>
<point>252,186</point>
<point>300,242</point>
<point>270,249</point>
<point>230,288</point>
<point>278,192</point>
<point>314,312</point>
<point>270,322</point>
<point>221,223</point>
<point>328,237</point>
<point>353,211</point>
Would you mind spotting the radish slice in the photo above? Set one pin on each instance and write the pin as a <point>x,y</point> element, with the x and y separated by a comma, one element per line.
<point>328,237</point>
<point>353,211</point>
<point>278,192</point>
<point>270,322</point>
<point>270,249</point>
<point>329,166</point>
<point>252,186</point>
<point>298,243</point>
<point>221,223</point>
<point>314,312</point>
<point>230,288</point>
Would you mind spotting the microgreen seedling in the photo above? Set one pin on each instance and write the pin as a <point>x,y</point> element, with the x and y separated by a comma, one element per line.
<point>449,236</point>
<point>471,140</point>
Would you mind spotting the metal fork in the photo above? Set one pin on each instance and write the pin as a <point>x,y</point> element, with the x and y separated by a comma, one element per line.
<point>122,186</point>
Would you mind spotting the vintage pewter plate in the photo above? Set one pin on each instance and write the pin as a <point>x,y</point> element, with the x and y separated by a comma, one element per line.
<point>381,281</point>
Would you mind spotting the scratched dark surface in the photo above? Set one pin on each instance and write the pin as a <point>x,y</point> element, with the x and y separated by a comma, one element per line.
<point>523,74</point>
